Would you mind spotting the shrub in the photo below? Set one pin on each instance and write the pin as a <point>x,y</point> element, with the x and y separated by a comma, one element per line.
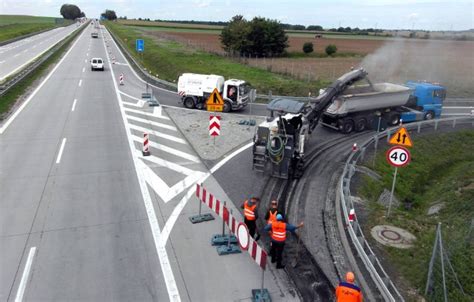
<point>308,47</point>
<point>331,49</point>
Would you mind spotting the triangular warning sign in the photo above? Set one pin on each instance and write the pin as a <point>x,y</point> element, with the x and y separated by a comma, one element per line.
<point>401,138</point>
<point>215,98</point>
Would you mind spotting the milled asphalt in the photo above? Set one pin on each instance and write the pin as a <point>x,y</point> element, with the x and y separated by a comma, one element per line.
<point>16,55</point>
<point>84,211</point>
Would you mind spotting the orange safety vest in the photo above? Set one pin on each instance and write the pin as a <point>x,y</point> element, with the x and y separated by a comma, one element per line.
<point>279,231</point>
<point>249,211</point>
<point>272,217</point>
<point>348,292</point>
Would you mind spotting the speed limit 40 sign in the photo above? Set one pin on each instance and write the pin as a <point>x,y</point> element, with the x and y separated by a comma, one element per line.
<point>398,156</point>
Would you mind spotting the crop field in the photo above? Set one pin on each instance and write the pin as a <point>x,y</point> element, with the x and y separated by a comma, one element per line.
<point>12,26</point>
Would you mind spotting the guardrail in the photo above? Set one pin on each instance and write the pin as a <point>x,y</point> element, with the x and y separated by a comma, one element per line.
<point>381,279</point>
<point>16,78</point>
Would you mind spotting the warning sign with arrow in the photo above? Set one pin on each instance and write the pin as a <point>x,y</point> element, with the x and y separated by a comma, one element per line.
<point>401,138</point>
<point>215,101</point>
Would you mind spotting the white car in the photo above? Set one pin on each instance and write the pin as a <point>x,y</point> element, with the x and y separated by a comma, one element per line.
<point>97,64</point>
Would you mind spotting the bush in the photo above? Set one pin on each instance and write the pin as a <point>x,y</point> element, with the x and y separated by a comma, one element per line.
<point>331,49</point>
<point>308,47</point>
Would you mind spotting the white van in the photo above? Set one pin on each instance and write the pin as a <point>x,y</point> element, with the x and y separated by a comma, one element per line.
<point>97,64</point>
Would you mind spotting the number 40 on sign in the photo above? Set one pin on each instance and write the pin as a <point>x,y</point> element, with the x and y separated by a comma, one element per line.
<point>398,156</point>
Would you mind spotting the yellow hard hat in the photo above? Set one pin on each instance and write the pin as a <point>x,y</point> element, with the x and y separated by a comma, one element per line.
<point>350,277</point>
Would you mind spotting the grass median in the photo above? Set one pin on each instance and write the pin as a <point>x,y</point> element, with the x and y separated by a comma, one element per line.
<point>169,59</point>
<point>8,100</point>
<point>13,26</point>
<point>441,173</point>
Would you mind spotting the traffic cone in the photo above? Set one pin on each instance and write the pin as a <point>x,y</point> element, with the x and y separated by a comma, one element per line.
<point>121,79</point>
<point>146,148</point>
<point>351,215</point>
<point>354,147</point>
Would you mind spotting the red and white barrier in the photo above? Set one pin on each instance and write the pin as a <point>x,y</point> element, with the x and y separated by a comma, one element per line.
<point>255,251</point>
<point>146,147</point>
<point>214,125</point>
<point>121,79</point>
<point>354,147</point>
<point>352,215</point>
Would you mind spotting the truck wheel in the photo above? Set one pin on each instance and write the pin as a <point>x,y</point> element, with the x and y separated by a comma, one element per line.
<point>347,126</point>
<point>360,125</point>
<point>394,119</point>
<point>429,115</point>
<point>227,107</point>
<point>189,103</point>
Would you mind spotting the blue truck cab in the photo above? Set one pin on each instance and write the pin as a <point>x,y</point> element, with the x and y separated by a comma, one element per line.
<point>426,102</point>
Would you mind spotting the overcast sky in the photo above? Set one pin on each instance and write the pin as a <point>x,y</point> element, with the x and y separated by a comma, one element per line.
<point>387,14</point>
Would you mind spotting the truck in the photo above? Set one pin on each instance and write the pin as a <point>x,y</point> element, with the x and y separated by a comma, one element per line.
<point>345,105</point>
<point>360,107</point>
<point>194,90</point>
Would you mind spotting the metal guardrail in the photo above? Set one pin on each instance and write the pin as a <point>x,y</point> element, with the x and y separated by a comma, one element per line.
<point>16,78</point>
<point>383,282</point>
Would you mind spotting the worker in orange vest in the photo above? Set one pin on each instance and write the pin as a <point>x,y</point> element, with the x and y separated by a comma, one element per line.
<point>271,215</point>
<point>279,229</point>
<point>251,215</point>
<point>348,291</point>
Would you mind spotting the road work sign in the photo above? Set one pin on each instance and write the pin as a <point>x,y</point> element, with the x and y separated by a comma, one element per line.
<point>215,102</point>
<point>401,138</point>
<point>398,156</point>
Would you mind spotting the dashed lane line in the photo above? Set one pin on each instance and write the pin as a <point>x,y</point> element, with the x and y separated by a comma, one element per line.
<point>25,276</point>
<point>61,149</point>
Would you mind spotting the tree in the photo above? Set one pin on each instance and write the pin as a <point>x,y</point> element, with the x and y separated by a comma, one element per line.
<point>308,47</point>
<point>331,49</point>
<point>259,37</point>
<point>71,11</point>
<point>315,27</point>
<point>109,15</point>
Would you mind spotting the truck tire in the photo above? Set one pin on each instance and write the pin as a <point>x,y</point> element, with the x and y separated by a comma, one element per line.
<point>429,115</point>
<point>189,102</point>
<point>347,126</point>
<point>360,125</point>
<point>227,107</point>
<point>394,119</point>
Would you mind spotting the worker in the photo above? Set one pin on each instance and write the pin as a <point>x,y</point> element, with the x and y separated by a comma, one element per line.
<point>251,215</point>
<point>348,291</point>
<point>271,215</point>
<point>278,235</point>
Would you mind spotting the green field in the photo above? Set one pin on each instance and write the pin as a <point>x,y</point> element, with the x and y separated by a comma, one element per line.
<point>12,26</point>
<point>441,171</point>
<point>170,59</point>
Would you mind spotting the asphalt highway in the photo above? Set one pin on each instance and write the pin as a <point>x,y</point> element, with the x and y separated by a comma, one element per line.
<point>85,216</point>
<point>16,55</point>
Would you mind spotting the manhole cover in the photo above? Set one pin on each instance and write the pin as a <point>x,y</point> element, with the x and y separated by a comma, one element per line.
<point>194,125</point>
<point>393,236</point>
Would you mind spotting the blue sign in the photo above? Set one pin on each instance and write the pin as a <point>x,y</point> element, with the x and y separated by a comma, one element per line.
<point>140,45</point>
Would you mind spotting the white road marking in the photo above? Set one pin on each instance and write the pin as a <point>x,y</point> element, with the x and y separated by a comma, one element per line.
<point>26,273</point>
<point>74,105</point>
<point>168,149</point>
<point>170,282</point>
<point>61,149</point>
<point>229,157</point>
<point>2,62</point>
<point>15,114</point>
<point>145,121</point>
<point>80,83</point>
<point>16,55</point>
<point>157,111</point>
<point>129,96</point>
<point>168,164</point>
<point>85,61</point>
<point>138,104</point>
<point>83,69</point>
<point>87,54</point>
<point>144,113</point>
<point>162,135</point>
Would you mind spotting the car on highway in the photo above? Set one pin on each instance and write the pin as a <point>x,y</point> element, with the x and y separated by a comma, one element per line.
<point>97,64</point>
<point>94,35</point>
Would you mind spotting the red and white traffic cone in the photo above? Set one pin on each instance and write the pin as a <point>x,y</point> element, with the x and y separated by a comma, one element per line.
<point>354,147</point>
<point>121,79</point>
<point>113,60</point>
<point>146,148</point>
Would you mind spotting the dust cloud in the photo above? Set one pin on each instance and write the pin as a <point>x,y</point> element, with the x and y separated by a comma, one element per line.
<point>450,63</point>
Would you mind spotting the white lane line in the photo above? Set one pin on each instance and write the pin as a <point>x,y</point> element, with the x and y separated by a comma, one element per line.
<point>145,121</point>
<point>170,282</point>
<point>162,135</point>
<point>85,61</point>
<point>168,164</point>
<point>80,83</point>
<point>83,69</point>
<point>138,104</point>
<point>16,55</point>
<point>24,277</point>
<point>143,112</point>
<point>129,96</point>
<point>87,54</point>
<point>457,107</point>
<point>168,149</point>
<point>74,105</point>
<point>61,149</point>
<point>15,114</point>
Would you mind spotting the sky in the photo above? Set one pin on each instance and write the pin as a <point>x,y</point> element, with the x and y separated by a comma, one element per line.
<point>381,14</point>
